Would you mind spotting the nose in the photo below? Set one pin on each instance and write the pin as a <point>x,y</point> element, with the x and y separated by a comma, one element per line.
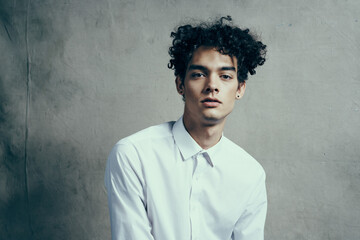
<point>212,85</point>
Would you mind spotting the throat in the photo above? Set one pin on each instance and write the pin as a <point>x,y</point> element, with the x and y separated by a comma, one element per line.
<point>206,135</point>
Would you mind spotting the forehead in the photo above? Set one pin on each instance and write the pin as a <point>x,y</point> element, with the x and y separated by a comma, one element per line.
<point>211,58</point>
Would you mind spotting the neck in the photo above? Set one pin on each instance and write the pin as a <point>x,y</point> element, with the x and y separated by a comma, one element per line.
<point>206,135</point>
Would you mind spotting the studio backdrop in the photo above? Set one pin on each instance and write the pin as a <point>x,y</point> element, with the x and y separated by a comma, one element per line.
<point>76,76</point>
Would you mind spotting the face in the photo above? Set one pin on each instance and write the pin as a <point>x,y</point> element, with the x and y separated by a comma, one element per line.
<point>210,86</point>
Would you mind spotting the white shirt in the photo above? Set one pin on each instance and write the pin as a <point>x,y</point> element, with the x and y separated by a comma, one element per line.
<point>162,185</point>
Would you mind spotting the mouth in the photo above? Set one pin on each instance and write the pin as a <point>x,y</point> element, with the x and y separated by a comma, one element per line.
<point>211,102</point>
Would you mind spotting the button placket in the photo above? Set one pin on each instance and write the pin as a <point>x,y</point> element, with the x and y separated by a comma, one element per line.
<point>201,165</point>
<point>195,197</point>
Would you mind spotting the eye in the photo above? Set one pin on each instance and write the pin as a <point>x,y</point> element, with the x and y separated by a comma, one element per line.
<point>197,75</point>
<point>226,76</point>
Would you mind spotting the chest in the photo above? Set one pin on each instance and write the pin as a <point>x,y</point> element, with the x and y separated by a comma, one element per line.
<point>193,190</point>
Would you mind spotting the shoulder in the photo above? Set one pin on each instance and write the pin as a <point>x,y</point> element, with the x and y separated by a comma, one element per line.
<point>242,158</point>
<point>126,152</point>
<point>144,137</point>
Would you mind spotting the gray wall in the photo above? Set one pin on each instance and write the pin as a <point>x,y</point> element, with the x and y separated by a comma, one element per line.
<point>76,76</point>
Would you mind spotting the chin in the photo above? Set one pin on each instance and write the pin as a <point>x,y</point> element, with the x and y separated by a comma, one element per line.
<point>212,120</point>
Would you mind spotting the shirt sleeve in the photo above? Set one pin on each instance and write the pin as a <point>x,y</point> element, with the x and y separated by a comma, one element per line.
<point>125,189</point>
<point>250,225</point>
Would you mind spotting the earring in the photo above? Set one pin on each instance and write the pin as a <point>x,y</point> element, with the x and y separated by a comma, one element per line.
<point>181,92</point>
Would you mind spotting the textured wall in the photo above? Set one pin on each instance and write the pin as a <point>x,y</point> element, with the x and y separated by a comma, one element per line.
<point>76,76</point>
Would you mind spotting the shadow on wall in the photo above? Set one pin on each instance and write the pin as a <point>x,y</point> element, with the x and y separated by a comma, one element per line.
<point>48,210</point>
<point>41,187</point>
<point>14,215</point>
<point>13,205</point>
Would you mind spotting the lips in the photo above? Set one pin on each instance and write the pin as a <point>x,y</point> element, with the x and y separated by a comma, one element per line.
<point>211,102</point>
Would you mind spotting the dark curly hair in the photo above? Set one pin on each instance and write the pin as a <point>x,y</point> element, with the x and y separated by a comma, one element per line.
<point>223,36</point>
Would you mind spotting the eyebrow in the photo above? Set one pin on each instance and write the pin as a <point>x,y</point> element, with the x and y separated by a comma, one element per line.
<point>200,67</point>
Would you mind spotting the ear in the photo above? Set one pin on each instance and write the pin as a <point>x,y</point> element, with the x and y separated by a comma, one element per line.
<point>241,90</point>
<point>179,85</point>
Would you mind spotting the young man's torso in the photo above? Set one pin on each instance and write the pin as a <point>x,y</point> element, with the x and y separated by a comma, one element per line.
<point>188,192</point>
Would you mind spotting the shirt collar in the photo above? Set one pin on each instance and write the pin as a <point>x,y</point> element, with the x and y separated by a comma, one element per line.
<point>189,147</point>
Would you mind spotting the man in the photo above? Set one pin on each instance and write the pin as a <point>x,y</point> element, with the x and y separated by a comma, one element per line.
<point>184,180</point>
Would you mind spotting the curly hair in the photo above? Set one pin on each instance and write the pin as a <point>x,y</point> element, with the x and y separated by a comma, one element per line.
<point>225,38</point>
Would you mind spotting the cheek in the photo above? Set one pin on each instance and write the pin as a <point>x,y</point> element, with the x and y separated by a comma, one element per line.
<point>231,98</point>
<point>191,90</point>
<point>232,92</point>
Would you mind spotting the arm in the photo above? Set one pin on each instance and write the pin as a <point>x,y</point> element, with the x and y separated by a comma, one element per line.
<point>127,204</point>
<point>250,225</point>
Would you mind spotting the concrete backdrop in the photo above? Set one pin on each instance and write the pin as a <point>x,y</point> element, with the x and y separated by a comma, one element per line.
<point>76,76</point>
